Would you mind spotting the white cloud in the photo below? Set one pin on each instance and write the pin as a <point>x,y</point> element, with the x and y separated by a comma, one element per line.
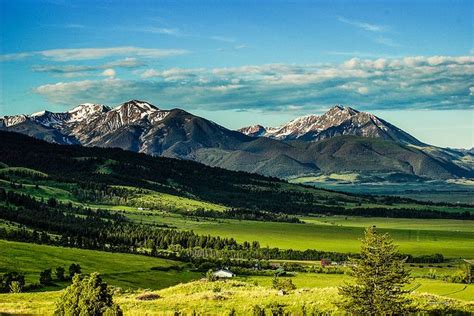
<point>223,39</point>
<point>109,73</point>
<point>383,40</point>
<point>434,82</point>
<point>71,71</point>
<point>149,73</point>
<point>363,90</point>
<point>71,54</point>
<point>364,25</point>
<point>96,53</point>
<point>159,30</point>
<point>15,56</point>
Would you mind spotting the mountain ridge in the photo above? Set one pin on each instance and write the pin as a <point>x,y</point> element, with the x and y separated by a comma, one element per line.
<point>337,121</point>
<point>348,141</point>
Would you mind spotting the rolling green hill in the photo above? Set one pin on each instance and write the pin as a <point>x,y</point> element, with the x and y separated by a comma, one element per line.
<point>103,169</point>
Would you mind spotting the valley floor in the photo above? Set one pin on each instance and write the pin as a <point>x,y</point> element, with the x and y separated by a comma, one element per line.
<point>184,291</point>
<point>452,238</point>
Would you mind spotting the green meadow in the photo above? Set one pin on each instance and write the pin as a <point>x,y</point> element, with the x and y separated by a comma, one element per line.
<point>220,298</point>
<point>452,238</point>
<point>418,285</point>
<point>118,269</point>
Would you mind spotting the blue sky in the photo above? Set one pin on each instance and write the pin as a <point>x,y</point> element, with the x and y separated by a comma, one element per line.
<point>245,62</point>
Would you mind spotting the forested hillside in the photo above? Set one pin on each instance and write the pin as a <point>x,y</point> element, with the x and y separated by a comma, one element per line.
<point>100,174</point>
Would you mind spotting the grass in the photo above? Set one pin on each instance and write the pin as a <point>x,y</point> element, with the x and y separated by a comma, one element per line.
<point>395,223</point>
<point>344,177</point>
<point>452,238</point>
<point>23,171</point>
<point>414,236</point>
<point>453,191</point>
<point>317,292</point>
<point>419,285</point>
<point>122,270</point>
<point>42,191</point>
<point>157,200</point>
<point>212,298</point>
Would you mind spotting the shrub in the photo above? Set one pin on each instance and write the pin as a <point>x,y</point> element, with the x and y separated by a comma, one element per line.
<point>15,287</point>
<point>148,297</point>
<point>87,296</point>
<point>60,273</point>
<point>283,284</point>
<point>7,279</point>
<point>74,269</point>
<point>432,274</point>
<point>45,277</point>
<point>257,310</point>
<point>210,276</point>
<point>276,309</point>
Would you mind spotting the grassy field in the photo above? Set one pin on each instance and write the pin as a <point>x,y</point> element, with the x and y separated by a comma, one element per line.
<point>452,238</point>
<point>216,298</point>
<point>158,200</point>
<point>454,191</point>
<point>123,270</point>
<point>418,285</point>
<point>41,191</point>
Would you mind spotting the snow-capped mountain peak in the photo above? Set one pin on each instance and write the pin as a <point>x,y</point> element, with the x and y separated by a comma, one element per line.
<point>338,120</point>
<point>254,130</point>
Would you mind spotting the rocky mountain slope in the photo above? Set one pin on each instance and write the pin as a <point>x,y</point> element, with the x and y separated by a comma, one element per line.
<point>337,121</point>
<point>342,140</point>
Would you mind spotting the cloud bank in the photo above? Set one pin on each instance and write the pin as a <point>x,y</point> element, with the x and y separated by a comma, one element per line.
<point>436,82</point>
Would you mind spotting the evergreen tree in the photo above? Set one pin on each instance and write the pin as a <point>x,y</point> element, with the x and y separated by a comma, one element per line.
<point>87,296</point>
<point>379,278</point>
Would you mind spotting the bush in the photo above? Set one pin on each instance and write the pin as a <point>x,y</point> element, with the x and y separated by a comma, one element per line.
<point>148,297</point>
<point>205,266</point>
<point>15,287</point>
<point>284,284</point>
<point>60,273</point>
<point>210,276</point>
<point>74,269</point>
<point>87,296</point>
<point>168,268</point>
<point>257,310</point>
<point>45,277</point>
<point>7,279</point>
<point>276,309</point>
<point>432,274</point>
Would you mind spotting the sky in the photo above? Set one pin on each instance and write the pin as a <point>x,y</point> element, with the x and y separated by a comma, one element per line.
<point>241,63</point>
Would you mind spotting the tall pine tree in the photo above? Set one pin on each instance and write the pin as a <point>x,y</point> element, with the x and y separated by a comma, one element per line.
<point>379,276</point>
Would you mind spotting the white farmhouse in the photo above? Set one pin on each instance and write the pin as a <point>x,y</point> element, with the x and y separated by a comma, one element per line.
<point>221,274</point>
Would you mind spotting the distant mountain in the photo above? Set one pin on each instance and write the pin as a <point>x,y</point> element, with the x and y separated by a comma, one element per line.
<point>341,140</point>
<point>337,121</point>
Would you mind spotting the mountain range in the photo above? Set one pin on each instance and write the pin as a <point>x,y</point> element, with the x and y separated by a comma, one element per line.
<point>341,140</point>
